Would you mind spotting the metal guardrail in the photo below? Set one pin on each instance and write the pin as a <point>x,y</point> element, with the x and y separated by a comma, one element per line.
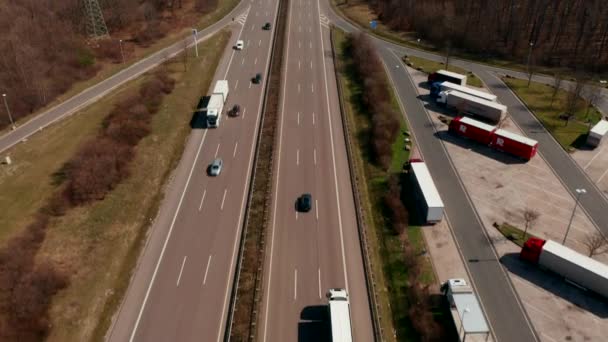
<point>361,228</point>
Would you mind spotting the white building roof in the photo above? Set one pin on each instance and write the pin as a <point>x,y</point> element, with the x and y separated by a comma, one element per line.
<point>573,256</point>
<point>600,129</point>
<point>478,124</point>
<point>425,181</point>
<point>477,93</point>
<point>516,137</point>
<point>451,74</point>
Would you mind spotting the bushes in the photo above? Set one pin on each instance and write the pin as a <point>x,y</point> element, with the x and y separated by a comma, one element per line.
<point>385,121</point>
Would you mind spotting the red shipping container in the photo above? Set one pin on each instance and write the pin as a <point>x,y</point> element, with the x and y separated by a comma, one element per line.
<point>472,129</point>
<point>514,144</point>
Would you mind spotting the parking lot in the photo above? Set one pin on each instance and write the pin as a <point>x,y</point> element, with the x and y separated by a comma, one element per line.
<point>501,188</point>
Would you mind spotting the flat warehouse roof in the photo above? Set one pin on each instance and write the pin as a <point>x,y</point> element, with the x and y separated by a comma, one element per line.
<point>516,137</point>
<point>425,181</point>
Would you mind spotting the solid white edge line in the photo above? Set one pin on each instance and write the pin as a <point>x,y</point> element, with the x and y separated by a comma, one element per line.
<point>207,270</point>
<point>333,154</point>
<point>179,277</point>
<point>276,190</point>
<point>235,245</point>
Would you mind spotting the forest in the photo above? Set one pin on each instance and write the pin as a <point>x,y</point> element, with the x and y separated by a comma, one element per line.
<point>563,33</point>
<point>44,48</point>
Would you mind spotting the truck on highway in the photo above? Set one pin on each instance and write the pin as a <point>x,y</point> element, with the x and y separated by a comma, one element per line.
<point>216,103</point>
<point>472,105</point>
<point>431,203</point>
<point>573,266</point>
<point>499,139</point>
<point>466,311</point>
<point>444,75</point>
<point>339,314</point>
<point>438,87</point>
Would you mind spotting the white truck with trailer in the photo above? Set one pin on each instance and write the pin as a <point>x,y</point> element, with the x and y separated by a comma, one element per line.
<point>472,105</point>
<point>444,75</point>
<point>466,311</point>
<point>432,205</point>
<point>446,86</point>
<point>216,103</point>
<point>339,314</point>
<point>597,133</point>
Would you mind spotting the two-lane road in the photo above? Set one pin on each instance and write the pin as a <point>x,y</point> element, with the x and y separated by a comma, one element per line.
<point>311,252</point>
<point>180,291</point>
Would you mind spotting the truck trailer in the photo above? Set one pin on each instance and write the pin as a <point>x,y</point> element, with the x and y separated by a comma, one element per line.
<point>216,103</point>
<point>472,105</point>
<point>472,129</point>
<point>444,75</point>
<point>597,133</point>
<point>339,314</point>
<point>431,204</point>
<point>438,87</point>
<point>573,266</point>
<point>465,309</point>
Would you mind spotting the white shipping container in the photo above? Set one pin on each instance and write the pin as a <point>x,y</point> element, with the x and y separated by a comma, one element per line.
<point>580,269</point>
<point>455,76</point>
<point>445,86</point>
<point>433,205</point>
<point>597,133</point>
<point>221,88</point>
<point>473,105</point>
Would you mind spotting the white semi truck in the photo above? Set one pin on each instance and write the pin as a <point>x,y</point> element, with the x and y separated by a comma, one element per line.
<point>216,103</point>
<point>339,313</point>
<point>466,311</point>
<point>473,105</point>
<point>430,203</point>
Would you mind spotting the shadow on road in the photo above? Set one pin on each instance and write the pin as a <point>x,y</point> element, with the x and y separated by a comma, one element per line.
<point>582,300</point>
<point>199,119</point>
<point>479,148</point>
<point>314,324</point>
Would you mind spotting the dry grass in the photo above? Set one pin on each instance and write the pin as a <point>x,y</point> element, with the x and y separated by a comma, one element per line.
<point>99,244</point>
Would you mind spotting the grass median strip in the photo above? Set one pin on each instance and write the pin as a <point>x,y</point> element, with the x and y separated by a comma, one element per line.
<point>249,284</point>
<point>97,244</point>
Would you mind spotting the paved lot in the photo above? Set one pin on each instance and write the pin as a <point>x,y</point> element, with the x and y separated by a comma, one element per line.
<point>595,163</point>
<point>501,188</point>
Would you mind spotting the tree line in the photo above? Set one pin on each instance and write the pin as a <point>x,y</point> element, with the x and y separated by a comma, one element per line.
<point>44,48</point>
<point>563,33</point>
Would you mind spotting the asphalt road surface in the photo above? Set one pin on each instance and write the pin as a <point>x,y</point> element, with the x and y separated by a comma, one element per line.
<point>308,253</point>
<point>499,300</point>
<point>95,92</point>
<point>180,290</point>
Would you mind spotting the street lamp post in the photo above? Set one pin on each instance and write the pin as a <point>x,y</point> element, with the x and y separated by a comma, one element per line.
<point>8,111</point>
<point>579,192</point>
<point>122,54</point>
<point>464,312</point>
<point>529,57</point>
<point>195,41</point>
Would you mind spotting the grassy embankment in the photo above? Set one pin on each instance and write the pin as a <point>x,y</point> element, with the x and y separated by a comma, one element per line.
<point>387,256</point>
<point>538,96</point>
<point>360,12</point>
<point>98,244</point>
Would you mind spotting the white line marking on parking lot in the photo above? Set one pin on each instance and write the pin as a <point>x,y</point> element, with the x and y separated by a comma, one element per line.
<point>250,83</point>
<point>602,176</point>
<point>236,84</point>
<point>313,118</point>
<point>255,62</point>
<point>244,109</point>
<point>223,199</point>
<point>181,270</point>
<point>207,270</point>
<point>217,150</point>
<point>234,152</point>
<point>317,209</point>
<point>202,200</point>
<point>314,155</point>
<point>295,284</point>
<point>298,118</point>
<point>260,43</point>
<point>311,64</point>
<point>298,157</point>
<point>319,283</point>
<point>299,65</point>
<point>312,88</point>
<point>243,61</point>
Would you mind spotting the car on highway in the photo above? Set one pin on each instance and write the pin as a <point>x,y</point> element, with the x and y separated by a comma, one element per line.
<point>239,45</point>
<point>304,203</point>
<point>235,110</point>
<point>215,168</point>
<point>266,26</point>
<point>257,79</point>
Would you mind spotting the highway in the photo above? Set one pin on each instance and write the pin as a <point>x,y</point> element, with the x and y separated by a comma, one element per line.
<point>500,302</point>
<point>181,286</point>
<point>95,92</point>
<point>308,253</point>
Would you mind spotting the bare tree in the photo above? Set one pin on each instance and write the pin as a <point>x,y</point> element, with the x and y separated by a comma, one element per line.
<point>596,244</point>
<point>530,217</point>
<point>557,82</point>
<point>592,94</point>
<point>185,54</point>
<point>573,98</point>
<point>448,47</point>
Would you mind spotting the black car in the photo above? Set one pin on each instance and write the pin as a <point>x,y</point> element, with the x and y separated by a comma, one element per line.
<point>235,111</point>
<point>304,203</point>
<point>257,79</point>
<point>266,26</point>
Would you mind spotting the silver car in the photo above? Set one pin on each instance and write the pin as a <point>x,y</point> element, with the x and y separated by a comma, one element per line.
<point>215,168</point>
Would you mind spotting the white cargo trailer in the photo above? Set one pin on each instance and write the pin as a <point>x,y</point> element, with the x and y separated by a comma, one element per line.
<point>431,203</point>
<point>339,314</point>
<point>466,311</point>
<point>472,105</point>
<point>216,103</point>
<point>444,75</point>
<point>445,86</point>
<point>597,133</point>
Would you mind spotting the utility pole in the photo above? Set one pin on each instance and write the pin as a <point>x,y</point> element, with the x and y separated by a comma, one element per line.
<point>579,192</point>
<point>529,58</point>
<point>8,111</point>
<point>195,41</point>
<point>122,54</point>
<point>95,24</point>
